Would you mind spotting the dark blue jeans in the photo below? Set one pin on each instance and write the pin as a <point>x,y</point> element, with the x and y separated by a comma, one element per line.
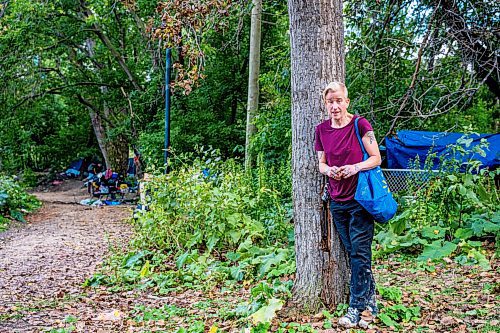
<point>355,227</point>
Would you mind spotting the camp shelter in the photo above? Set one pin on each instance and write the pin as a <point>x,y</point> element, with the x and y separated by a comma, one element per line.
<point>405,146</point>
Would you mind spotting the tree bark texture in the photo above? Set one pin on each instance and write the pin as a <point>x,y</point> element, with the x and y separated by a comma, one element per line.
<point>100,134</point>
<point>317,55</point>
<point>253,78</point>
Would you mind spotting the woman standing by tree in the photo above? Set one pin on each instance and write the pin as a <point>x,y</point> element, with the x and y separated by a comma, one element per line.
<point>341,158</point>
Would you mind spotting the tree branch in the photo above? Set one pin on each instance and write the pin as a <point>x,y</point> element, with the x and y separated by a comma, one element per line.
<point>411,87</point>
<point>107,42</point>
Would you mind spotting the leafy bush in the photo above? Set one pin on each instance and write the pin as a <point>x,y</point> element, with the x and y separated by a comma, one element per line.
<point>451,214</point>
<point>218,223</point>
<point>211,206</point>
<point>15,202</point>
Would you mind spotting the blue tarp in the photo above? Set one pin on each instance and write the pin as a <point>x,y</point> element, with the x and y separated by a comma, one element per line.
<point>407,145</point>
<point>75,168</point>
<point>76,164</point>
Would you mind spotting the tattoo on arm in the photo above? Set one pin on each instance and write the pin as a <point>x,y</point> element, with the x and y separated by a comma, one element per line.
<point>321,159</point>
<point>371,136</point>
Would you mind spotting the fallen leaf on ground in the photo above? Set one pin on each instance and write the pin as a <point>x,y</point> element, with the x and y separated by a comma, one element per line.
<point>110,316</point>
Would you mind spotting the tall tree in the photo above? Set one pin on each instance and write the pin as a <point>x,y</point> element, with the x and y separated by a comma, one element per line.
<point>317,56</point>
<point>84,52</point>
<point>253,78</point>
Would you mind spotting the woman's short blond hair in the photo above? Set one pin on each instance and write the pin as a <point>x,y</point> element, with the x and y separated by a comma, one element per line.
<point>334,86</point>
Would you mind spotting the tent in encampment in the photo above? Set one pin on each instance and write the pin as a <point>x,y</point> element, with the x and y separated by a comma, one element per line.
<point>407,145</point>
<point>75,168</point>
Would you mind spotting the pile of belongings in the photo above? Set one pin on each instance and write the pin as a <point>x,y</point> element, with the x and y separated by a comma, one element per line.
<point>108,184</point>
<point>98,202</point>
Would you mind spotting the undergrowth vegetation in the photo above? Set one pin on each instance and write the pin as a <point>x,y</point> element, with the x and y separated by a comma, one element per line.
<point>452,213</point>
<point>220,225</point>
<point>212,226</point>
<point>15,202</point>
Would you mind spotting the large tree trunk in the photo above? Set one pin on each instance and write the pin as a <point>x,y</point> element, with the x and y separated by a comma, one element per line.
<point>317,53</point>
<point>253,78</point>
<point>100,134</point>
<point>114,151</point>
<point>118,151</point>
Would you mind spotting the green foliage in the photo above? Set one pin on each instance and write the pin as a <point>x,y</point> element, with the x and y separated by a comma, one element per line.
<point>141,313</point>
<point>451,213</point>
<point>220,226</point>
<point>386,79</point>
<point>395,313</point>
<point>69,329</point>
<point>266,298</point>
<point>393,294</point>
<point>15,202</point>
<point>392,315</point>
<point>211,206</point>
<point>448,215</point>
<point>216,222</point>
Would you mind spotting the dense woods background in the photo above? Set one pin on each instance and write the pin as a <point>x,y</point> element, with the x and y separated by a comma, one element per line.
<point>83,78</point>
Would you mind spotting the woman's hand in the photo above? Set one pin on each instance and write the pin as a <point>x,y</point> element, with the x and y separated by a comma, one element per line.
<point>334,173</point>
<point>348,170</point>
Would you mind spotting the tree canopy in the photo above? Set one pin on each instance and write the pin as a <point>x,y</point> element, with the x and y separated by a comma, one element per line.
<point>84,78</point>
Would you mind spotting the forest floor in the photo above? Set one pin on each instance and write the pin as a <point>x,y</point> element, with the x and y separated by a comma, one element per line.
<point>44,263</point>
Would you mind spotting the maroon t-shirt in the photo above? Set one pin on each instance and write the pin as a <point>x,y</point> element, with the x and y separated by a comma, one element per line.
<point>341,147</point>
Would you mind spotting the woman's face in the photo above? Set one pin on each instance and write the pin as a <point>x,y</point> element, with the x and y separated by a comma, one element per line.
<point>336,104</point>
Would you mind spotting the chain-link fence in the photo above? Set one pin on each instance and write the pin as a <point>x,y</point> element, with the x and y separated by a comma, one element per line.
<point>403,179</point>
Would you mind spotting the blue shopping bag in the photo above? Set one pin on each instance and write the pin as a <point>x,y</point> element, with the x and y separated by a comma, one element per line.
<point>373,192</point>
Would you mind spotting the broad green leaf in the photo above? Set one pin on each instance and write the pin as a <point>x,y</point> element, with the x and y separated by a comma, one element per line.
<point>17,215</point>
<point>398,223</point>
<point>237,273</point>
<point>268,261</point>
<point>266,313</point>
<point>181,260</point>
<point>462,233</point>
<point>134,260</point>
<point>481,191</point>
<point>472,196</point>
<point>233,256</point>
<point>474,243</point>
<point>469,180</point>
<point>233,219</point>
<point>212,241</point>
<point>481,227</point>
<point>433,232</point>
<point>235,236</point>
<point>144,270</point>
<point>481,259</point>
<point>387,320</point>
<point>462,189</point>
<point>437,251</point>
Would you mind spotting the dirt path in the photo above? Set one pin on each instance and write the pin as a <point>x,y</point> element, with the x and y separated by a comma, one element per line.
<point>44,263</point>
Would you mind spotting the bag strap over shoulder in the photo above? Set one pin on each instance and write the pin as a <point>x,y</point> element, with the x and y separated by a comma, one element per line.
<point>365,154</point>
